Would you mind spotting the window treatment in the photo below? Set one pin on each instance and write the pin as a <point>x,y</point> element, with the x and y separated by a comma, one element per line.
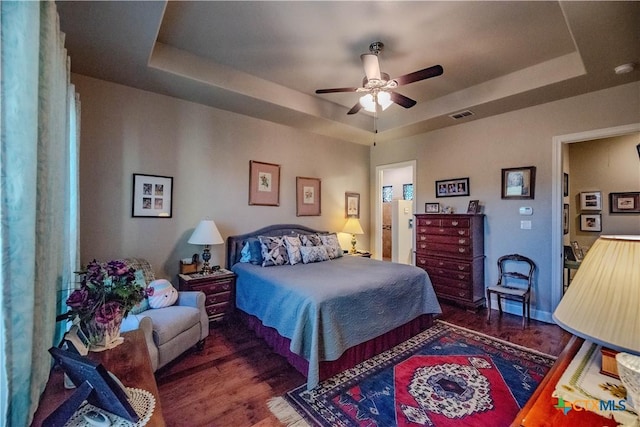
<point>39,122</point>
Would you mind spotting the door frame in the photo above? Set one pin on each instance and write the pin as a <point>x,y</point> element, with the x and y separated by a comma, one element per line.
<point>557,265</point>
<point>377,229</point>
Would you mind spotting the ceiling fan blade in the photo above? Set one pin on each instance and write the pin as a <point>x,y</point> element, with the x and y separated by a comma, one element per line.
<point>402,100</point>
<point>337,89</point>
<point>355,108</point>
<point>427,73</point>
<point>371,66</point>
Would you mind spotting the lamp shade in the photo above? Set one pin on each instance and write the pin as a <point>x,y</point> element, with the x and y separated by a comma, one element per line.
<point>206,233</point>
<point>352,226</point>
<point>602,303</point>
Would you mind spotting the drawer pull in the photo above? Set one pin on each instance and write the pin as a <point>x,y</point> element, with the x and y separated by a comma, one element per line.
<point>461,232</point>
<point>441,230</point>
<point>454,223</point>
<point>462,250</point>
<point>462,241</point>
<point>461,293</point>
<point>427,222</point>
<point>440,263</point>
<point>461,267</point>
<point>460,276</point>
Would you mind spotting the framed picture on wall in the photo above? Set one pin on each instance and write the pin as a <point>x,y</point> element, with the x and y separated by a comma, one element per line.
<point>565,185</point>
<point>452,187</point>
<point>591,201</point>
<point>352,205</point>
<point>590,222</point>
<point>264,184</point>
<point>565,219</point>
<point>624,203</point>
<point>307,196</point>
<point>152,196</point>
<point>519,183</point>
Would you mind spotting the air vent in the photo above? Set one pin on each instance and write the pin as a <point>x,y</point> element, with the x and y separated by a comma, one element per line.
<point>461,114</point>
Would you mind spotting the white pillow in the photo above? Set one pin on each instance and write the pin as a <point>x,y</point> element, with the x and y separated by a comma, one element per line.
<point>314,254</point>
<point>293,245</point>
<point>332,244</point>
<point>164,294</point>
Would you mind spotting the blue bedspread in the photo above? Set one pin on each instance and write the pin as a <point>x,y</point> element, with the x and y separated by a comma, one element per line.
<point>327,307</point>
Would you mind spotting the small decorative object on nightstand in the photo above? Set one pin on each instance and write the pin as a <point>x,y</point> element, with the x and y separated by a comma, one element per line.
<point>219,287</point>
<point>362,254</point>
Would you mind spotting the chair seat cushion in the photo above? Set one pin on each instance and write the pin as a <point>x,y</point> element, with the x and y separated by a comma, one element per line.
<point>507,290</point>
<point>171,321</point>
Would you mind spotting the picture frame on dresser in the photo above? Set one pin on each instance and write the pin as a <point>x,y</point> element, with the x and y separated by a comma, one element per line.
<point>455,187</point>
<point>474,207</point>
<point>519,183</point>
<point>264,184</point>
<point>432,207</point>
<point>152,196</point>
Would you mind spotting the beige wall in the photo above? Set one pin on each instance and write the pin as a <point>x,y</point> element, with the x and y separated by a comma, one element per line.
<point>606,165</point>
<point>480,149</point>
<point>207,152</point>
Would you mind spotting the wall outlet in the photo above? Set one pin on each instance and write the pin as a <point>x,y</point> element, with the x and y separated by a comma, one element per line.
<point>525,225</point>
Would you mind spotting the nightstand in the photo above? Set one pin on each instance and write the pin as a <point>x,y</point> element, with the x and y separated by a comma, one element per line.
<point>219,288</point>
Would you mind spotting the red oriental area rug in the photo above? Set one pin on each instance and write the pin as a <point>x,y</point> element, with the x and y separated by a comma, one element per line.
<point>445,376</point>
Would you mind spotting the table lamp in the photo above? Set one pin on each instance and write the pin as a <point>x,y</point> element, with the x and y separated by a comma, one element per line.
<point>353,227</point>
<point>602,304</point>
<point>206,233</point>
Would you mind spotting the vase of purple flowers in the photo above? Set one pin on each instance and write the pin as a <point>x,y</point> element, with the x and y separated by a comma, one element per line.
<point>107,292</point>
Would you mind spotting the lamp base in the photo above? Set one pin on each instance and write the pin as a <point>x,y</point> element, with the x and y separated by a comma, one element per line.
<point>206,256</point>
<point>353,244</point>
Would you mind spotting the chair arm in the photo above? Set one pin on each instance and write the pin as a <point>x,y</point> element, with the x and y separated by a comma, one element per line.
<point>191,299</point>
<point>196,299</point>
<point>135,321</point>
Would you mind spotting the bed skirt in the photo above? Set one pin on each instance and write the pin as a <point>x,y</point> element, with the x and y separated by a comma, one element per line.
<point>350,357</point>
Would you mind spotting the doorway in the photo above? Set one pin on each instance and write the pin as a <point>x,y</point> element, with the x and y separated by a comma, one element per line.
<point>392,183</point>
<point>559,143</point>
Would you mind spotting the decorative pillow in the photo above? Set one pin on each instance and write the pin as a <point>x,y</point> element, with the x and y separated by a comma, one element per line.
<point>144,304</point>
<point>314,254</point>
<point>310,240</point>
<point>274,251</point>
<point>293,245</point>
<point>253,247</point>
<point>164,294</point>
<point>332,244</point>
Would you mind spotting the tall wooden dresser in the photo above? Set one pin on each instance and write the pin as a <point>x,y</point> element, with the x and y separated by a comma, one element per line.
<point>450,247</point>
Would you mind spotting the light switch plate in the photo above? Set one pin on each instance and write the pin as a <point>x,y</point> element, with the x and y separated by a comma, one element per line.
<point>526,210</point>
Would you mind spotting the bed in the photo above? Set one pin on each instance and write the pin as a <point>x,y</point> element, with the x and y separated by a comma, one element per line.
<point>325,317</point>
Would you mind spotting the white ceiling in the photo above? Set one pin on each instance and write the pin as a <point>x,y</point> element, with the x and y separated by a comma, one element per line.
<point>265,59</point>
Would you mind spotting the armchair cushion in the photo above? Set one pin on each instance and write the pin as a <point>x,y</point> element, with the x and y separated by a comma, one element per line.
<point>169,322</point>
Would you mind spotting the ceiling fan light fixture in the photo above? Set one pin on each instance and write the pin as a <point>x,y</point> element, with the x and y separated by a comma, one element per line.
<point>384,100</point>
<point>368,103</point>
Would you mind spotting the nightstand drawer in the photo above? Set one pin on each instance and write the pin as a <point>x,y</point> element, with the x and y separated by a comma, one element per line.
<point>212,288</point>
<point>218,298</point>
<point>216,309</point>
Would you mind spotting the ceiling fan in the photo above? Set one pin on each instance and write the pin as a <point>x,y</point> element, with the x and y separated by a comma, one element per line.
<point>378,87</point>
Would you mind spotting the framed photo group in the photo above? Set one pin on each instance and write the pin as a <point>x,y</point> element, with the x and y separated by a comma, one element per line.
<point>452,187</point>
<point>152,196</point>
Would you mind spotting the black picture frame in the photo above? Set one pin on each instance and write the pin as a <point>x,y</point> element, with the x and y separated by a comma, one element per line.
<point>565,219</point>
<point>474,207</point>
<point>456,187</point>
<point>519,183</point>
<point>624,203</point>
<point>565,185</point>
<point>432,207</point>
<point>94,384</point>
<point>152,196</point>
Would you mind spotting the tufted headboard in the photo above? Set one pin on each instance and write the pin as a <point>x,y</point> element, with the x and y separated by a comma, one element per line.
<point>234,243</point>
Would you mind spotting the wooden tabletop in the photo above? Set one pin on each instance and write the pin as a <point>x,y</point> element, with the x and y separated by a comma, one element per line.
<point>540,410</point>
<point>129,362</point>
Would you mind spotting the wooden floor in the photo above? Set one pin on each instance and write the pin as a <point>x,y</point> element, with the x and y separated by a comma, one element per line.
<point>228,383</point>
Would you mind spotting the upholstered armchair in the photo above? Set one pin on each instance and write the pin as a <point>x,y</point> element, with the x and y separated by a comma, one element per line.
<point>169,331</point>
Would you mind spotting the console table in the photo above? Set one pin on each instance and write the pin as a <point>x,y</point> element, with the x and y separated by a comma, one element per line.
<point>129,362</point>
<point>540,410</point>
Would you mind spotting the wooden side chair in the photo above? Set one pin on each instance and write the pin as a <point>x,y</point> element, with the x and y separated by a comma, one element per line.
<point>514,283</point>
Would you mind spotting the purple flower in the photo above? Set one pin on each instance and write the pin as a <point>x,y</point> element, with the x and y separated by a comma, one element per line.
<point>78,298</point>
<point>107,312</point>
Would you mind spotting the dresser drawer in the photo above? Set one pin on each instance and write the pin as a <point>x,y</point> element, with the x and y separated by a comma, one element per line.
<point>440,249</point>
<point>455,222</point>
<point>428,222</point>
<point>460,277</point>
<point>451,265</point>
<point>451,240</point>
<point>452,291</point>
<point>442,231</point>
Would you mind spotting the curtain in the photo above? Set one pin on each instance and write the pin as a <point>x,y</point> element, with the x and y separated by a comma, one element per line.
<point>38,199</point>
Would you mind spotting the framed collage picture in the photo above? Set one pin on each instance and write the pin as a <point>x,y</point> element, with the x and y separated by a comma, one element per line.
<point>452,187</point>
<point>152,196</point>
